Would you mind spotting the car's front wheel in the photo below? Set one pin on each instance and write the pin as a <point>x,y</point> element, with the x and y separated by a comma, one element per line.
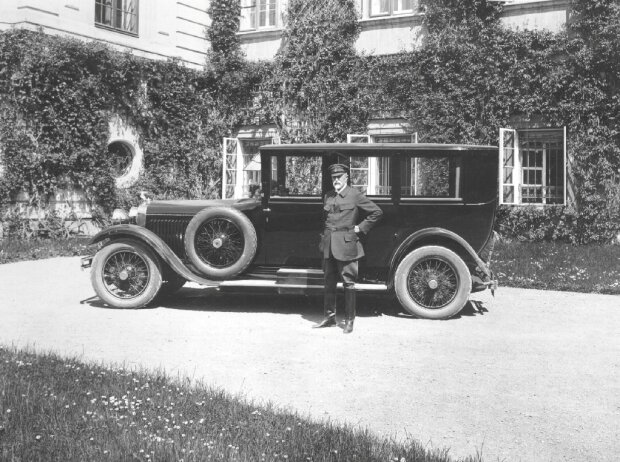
<point>126,275</point>
<point>432,282</point>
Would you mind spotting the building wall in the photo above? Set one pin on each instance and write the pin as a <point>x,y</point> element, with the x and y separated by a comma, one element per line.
<point>395,33</point>
<point>166,28</point>
<point>549,15</point>
<point>170,28</point>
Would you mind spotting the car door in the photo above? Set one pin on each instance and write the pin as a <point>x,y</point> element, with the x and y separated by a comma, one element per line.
<point>293,208</point>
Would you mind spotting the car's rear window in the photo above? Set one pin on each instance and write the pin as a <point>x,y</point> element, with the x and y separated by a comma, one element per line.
<point>428,177</point>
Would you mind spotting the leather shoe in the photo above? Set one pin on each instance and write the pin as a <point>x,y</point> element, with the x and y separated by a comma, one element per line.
<point>327,321</point>
<point>348,326</point>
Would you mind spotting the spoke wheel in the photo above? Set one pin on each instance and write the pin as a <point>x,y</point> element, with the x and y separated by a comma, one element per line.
<point>432,282</point>
<point>126,275</point>
<point>219,243</point>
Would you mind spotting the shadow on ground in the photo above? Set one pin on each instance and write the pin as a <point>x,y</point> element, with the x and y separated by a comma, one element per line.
<point>310,307</point>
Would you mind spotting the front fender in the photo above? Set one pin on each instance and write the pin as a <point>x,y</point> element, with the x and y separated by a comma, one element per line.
<point>155,243</point>
<point>404,247</point>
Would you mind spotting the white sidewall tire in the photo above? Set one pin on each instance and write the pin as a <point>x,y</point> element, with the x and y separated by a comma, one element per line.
<point>245,226</point>
<point>153,284</point>
<point>463,281</point>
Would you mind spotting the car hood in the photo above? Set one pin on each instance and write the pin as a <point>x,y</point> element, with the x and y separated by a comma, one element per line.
<point>191,207</point>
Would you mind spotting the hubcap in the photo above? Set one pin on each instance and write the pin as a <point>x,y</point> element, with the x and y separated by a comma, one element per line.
<point>219,242</point>
<point>433,282</point>
<point>125,274</point>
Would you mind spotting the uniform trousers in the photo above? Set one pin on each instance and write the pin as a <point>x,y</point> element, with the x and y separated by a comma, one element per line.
<point>337,269</point>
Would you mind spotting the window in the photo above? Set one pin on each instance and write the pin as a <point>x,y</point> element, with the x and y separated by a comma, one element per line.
<point>295,176</point>
<point>120,15</point>
<point>243,153</point>
<point>391,7</point>
<point>370,175</point>
<point>259,14</point>
<point>533,166</point>
<point>429,176</point>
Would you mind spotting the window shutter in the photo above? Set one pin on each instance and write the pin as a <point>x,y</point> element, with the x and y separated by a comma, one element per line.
<point>248,15</point>
<point>565,167</point>
<point>509,168</point>
<point>232,168</point>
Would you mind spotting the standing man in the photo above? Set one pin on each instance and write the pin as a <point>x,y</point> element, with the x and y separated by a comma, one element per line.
<point>340,244</point>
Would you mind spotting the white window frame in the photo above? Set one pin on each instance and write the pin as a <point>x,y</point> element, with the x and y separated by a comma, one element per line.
<point>231,159</point>
<point>503,150</point>
<point>394,8</point>
<point>518,169</point>
<point>373,162</point>
<point>124,18</point>
<point>251,14</point>
<point>236,161</point>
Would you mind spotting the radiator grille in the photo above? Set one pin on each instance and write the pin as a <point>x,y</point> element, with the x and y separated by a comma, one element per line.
<point>171,230</point>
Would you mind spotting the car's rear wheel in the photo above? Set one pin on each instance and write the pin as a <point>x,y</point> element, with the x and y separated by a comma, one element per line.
<point>432,282</point>
<point>126,275</point>
<point>221,242</point>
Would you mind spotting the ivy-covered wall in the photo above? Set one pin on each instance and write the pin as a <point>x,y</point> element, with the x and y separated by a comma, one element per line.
<point>470,78</point>
<point>57,96</point>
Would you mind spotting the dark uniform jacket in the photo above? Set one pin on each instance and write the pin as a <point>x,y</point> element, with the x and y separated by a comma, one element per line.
<point>341,212</point>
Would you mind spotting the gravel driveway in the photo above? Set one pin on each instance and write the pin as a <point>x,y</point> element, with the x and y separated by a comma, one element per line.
<point>532,376</point>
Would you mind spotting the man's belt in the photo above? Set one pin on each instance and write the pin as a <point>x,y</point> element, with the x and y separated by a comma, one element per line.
<point>350,230</point>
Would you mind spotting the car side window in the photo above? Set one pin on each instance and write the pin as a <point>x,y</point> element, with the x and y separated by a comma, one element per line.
<point>429,176</point>
<point>371,175</point>
<point>295,176</point>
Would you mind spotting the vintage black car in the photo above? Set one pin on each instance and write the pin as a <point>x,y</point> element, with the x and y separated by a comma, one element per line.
<point>431,249</point>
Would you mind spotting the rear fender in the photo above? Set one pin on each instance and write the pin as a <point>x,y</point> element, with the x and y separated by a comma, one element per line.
<point>155,243</point>
<point>424,234</point>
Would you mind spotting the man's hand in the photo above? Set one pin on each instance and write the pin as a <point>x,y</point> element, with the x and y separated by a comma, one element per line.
<point>356,229</point>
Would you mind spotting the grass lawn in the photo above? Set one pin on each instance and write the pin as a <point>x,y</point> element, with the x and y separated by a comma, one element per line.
<point>36,249</point>
<point>54,409</point>
<point>555,266</point>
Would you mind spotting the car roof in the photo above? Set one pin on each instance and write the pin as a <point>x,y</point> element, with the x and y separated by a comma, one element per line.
<point>344,147</point>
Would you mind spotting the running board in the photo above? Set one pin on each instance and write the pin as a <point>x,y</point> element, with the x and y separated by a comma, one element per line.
<point>275,286</point>
<point>293,281</point>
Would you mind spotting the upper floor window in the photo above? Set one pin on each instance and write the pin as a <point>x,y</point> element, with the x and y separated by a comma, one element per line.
<point>391,7</point>
<point>260,14</point>
<point>120,15</point>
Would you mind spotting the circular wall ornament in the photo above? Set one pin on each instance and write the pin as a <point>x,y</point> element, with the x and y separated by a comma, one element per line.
<point>127,156</point>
